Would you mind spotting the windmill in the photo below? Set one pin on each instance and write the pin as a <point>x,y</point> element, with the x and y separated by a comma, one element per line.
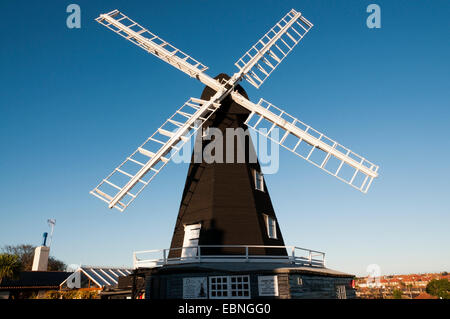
<point>208,217</point>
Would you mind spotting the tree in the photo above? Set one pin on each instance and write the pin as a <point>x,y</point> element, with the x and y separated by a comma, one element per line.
<point>439,288</point>
<point>10,266</point>
<point>25,253</point>
<point>397,294</point>
<point>56,265</point>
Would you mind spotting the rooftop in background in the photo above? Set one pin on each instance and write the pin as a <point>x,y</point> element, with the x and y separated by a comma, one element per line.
<point>36,279</point>
<point>100,276</point>
<point>425,295</point>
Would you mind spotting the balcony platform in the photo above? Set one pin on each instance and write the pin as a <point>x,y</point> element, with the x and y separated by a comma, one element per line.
<point>234,254</point>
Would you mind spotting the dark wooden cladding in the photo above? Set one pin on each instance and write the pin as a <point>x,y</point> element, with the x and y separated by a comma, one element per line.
<point>222,196</point>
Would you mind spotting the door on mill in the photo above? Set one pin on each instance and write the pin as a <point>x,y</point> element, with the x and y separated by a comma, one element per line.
<point>191,236</point>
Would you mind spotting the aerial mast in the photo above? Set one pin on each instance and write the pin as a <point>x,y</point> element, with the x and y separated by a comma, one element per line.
<point>51,223</point>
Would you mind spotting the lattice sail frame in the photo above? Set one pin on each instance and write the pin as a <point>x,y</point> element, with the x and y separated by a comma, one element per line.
<point>255,66</point>
<point>116,189</point>
<point>263,57</point>
<point>140,36</point>
<point>311,145</point>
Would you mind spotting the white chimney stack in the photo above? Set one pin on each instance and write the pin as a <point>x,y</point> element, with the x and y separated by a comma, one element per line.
<point>40,261</point>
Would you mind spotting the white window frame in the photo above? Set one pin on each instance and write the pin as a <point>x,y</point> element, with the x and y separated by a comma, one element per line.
<point>257,174</point>
<point>227,291</point>
<point>190,241</point>
<point>271,224</point>
<point>341,292</point>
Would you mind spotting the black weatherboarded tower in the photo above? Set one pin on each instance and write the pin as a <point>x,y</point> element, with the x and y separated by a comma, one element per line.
<point>227,242</point>
<point>228,202</point>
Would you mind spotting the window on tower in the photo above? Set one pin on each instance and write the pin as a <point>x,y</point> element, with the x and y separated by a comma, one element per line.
<point>259,181</point>
<point>271,226</point>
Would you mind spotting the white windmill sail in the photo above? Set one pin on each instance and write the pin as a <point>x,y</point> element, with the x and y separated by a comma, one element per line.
<point>125,183</point>
<point>262,58</point>
<point>309,144</point>
<point>137,34</point>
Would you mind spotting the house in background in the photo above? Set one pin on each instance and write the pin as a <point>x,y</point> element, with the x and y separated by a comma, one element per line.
<point>105,280</point>
<point>36,284</point>
<point>32,284</point>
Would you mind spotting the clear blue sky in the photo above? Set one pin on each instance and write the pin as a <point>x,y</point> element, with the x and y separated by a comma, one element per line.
<point>75,102</point>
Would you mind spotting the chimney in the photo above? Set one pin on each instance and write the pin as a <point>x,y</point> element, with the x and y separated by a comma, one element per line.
<point>41,253</point>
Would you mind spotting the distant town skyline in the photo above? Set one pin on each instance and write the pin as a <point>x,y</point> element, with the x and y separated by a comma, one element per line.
<point>75,102</point>
<point>412,286</point>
